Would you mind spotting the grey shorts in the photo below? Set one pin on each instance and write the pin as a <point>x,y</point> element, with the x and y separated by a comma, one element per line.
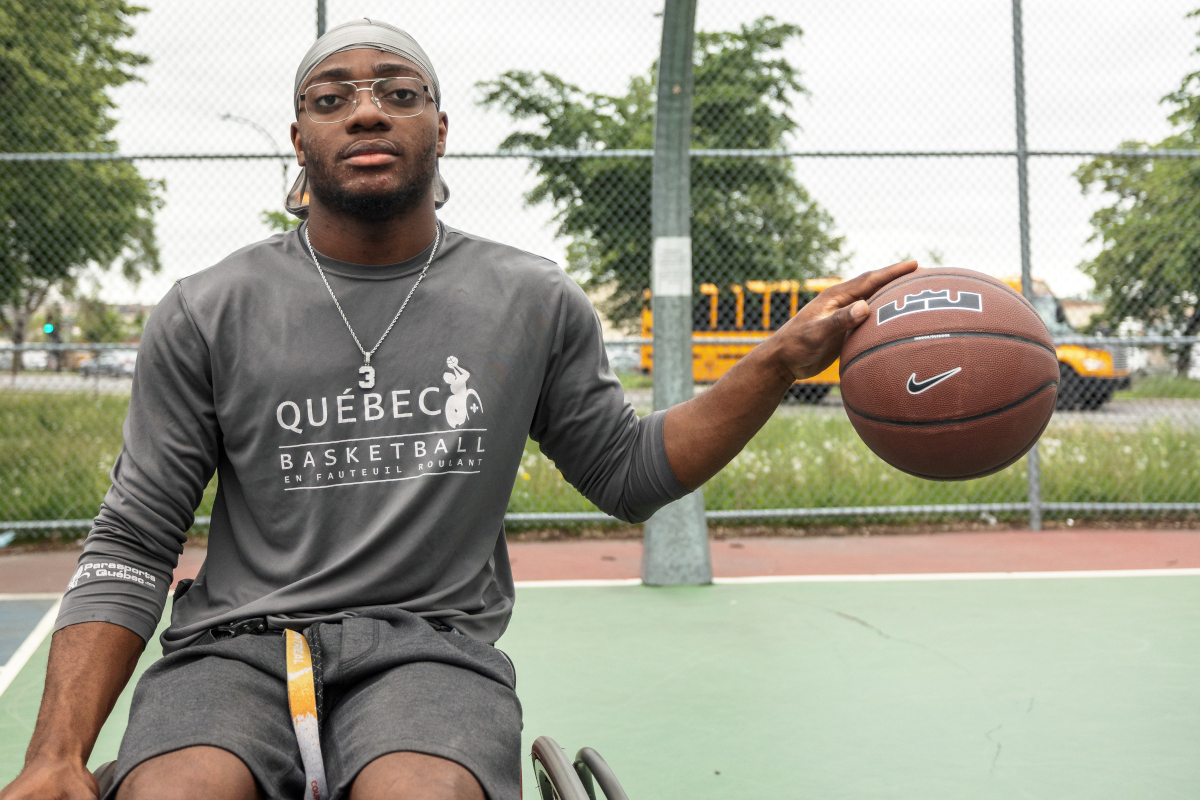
<point>393,684</point>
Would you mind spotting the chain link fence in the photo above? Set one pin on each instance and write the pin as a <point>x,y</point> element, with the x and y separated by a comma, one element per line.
<point>827,141</point>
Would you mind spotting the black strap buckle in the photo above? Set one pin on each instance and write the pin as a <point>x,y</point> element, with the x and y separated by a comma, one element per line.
<point>232,629</point>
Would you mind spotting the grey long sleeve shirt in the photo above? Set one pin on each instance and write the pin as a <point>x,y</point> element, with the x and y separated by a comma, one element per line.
<point>334,498</point>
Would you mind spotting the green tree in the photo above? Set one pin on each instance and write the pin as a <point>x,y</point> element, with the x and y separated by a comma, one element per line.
<point>58,62</point>
<point>1149,269</point>
<point>99,322</point>
<point>751,218</point>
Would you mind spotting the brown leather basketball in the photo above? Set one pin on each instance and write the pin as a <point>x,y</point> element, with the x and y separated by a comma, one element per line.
<point>952,376</point>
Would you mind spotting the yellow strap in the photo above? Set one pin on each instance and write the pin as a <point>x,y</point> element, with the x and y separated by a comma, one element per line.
<point>302,700</point>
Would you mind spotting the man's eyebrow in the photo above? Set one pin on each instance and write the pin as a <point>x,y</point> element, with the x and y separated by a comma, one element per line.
<point>384,68</point>
<point>333,74</point>
<point>343,73</point>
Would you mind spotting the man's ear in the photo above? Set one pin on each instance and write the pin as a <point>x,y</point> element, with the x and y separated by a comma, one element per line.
<point>295,134</point>
<point>443,127</point>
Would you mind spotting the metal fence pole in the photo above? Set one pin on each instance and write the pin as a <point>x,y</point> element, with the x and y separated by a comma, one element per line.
<point>320,18</point>
<point>676,538</point>
<point>1032,461</point>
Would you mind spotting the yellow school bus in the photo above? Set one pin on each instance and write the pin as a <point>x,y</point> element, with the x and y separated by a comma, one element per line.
<point>1088,376</point>
<point>753,310</point>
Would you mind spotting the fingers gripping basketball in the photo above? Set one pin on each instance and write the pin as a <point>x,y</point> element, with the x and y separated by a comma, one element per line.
<point>952,375</point>
<point>824,322</point>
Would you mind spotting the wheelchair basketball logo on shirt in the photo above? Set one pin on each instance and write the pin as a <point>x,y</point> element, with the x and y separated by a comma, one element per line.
<point>457,410</point>
<point>80,573</point>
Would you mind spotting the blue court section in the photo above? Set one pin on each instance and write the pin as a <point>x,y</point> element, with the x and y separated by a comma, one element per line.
<point>17,619</point>
<point>1061,689</point>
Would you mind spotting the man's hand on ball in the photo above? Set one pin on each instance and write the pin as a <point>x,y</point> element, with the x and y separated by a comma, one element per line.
<point>812,340</point>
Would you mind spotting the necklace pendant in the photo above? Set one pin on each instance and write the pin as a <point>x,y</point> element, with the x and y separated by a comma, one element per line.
<point>366,370</point>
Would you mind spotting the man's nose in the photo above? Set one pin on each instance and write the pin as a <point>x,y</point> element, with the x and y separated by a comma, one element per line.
<point>367,115</point>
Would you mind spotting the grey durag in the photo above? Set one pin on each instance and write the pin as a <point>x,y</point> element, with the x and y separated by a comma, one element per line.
<point>362,34</point>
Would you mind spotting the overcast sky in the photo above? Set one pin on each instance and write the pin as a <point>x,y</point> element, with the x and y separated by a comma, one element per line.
<point>924,74</point>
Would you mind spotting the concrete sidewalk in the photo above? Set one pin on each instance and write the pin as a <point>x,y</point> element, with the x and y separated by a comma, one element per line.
<point>1005,551</point>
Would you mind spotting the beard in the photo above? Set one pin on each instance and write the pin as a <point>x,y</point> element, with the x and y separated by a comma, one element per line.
<point>413,190</point>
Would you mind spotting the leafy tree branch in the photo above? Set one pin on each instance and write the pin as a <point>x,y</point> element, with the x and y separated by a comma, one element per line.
<point>752,219</point>
<point>58,219</point>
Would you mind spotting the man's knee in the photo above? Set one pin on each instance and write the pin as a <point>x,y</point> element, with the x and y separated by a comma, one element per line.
<point>189,773</point>
<point>408,776</point>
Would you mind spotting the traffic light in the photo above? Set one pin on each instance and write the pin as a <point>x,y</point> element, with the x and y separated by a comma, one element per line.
<point>52,328</point>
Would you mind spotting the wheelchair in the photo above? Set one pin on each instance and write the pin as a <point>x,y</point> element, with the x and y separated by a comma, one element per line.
<point>559,779</point>
<point>556,777</point>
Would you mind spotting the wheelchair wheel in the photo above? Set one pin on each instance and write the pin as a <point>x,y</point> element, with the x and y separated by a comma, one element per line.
<point>556,780</point>
<point>590,766</point>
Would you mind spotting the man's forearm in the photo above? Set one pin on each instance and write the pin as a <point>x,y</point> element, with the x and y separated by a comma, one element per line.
<point>90,663</point>
<point>705,433</point>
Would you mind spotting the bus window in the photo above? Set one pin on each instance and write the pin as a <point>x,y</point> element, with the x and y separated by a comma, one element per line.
<point>704,309</point>
<point>781,310</point>
<point>727,313</point>
<point>752,314</point>
<point>739,315</point>
<point>761,305</point>
<point>701,315</point>
<point>780,302</point>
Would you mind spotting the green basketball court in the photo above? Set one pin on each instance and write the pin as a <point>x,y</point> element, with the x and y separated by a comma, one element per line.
<point>1049,687</point>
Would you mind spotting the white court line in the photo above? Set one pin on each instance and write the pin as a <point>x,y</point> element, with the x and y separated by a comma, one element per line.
<point>912,576</point>
<point>28,647</point>
<point>15,664</point>
<point>9,671</point>
<point>566,584</point>
<point>964,576</point>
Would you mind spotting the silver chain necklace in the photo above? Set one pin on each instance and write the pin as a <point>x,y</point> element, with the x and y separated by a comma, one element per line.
<point>366,370</point>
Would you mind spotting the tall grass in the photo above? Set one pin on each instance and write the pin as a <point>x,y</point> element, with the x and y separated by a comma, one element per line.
<point>818,461</point>
<point>1162,385</point>
<point>1154,463</point>
<point>636,380</point>
<point>56,451</point>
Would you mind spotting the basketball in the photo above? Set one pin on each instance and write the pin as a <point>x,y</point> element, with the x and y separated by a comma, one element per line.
<point>952,376</point>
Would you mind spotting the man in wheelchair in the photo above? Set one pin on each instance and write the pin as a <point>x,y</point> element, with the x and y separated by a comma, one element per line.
<point>363,387</point>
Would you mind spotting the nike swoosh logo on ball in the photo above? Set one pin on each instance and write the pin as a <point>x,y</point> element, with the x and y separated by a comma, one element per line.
<point>916,387</point>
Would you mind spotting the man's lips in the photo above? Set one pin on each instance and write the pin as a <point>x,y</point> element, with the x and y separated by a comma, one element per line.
<point>370,153</point>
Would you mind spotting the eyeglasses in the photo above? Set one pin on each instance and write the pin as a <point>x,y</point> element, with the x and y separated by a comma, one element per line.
<point>336,101</point>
